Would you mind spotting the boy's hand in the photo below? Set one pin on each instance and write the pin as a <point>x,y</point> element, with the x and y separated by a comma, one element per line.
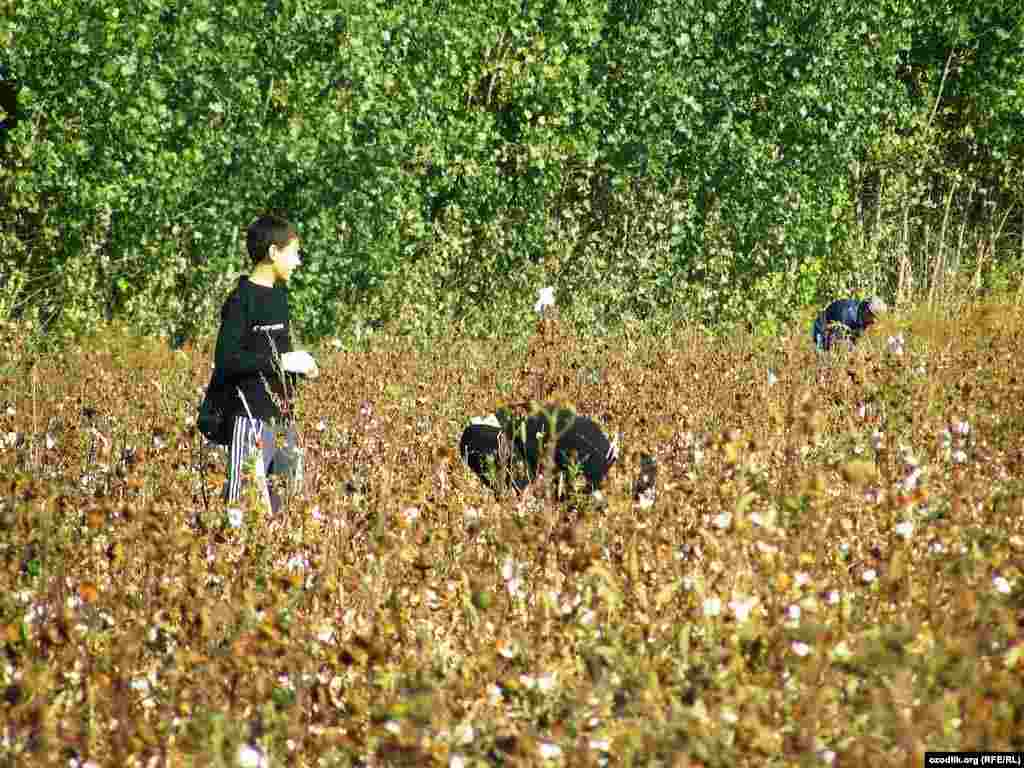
<point>299,362</point>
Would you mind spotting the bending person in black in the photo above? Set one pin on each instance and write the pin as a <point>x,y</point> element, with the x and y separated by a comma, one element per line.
<point>510,449</point>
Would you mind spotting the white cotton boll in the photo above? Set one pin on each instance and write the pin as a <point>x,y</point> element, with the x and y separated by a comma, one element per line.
<point>742,607</point>
<point>512,573</point>
<point>801,649</point>
<point>235,517</point>
<point>712,607</point>
<point>50,442</point>
<point>549,751</point>
<point>962,428</point>
<point>869,575</point>
<point>896,344</point>
<point>772,379</point>
<point>547,683</point>
<point>321,425</point>
<point>325,634</point>
<point>793,612</point>
<point>1001,585</point>
<point>911,481</point>
<point>545,298</point>
<point>250,757</point>
<point>876,439</point>
<point>959,456</point>
<point>767,549</point>
<point>465,734</point>
<point>905,529</point>
<point>722,521</point>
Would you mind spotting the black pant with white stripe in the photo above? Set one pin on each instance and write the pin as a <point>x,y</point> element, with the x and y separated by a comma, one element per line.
<point>256,441</point>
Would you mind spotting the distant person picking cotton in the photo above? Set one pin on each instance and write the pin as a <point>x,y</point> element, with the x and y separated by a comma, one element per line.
<point>844,321</point>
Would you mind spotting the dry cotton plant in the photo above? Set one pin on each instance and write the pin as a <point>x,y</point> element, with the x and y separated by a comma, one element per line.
<point>831,572</point>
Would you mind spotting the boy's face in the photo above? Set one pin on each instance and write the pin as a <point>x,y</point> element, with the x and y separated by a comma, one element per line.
<point>285,259</point>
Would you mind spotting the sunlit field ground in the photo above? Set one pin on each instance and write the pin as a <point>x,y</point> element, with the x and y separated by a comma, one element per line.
<point>832,572</point>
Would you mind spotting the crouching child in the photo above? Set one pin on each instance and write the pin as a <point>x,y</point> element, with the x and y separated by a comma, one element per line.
<point>510,448</point>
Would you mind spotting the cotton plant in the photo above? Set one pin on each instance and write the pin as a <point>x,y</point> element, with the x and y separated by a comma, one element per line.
<point>513,574</point>
<point>954,440</point>
<point>896,344</point>
<point>712,607</point>
<point>905,529</point>
<point>742,607</point>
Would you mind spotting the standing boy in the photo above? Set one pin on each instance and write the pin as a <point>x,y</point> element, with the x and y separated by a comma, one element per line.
<point>845,320</point>
<point>255,366</point>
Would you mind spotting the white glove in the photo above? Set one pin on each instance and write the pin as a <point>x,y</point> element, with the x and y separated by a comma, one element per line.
<point>299,362</point>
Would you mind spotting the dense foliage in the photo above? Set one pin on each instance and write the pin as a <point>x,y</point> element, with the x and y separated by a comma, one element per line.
<point>832,572</point>
<point>710,160</point>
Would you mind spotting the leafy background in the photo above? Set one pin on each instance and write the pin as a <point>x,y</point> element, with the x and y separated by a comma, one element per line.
<point>705,160</point>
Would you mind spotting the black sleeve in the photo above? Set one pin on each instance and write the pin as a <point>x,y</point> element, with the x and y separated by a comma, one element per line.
<point>231,357</point>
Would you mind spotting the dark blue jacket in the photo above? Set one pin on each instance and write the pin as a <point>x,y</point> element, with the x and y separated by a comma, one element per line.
<point>842,319</point>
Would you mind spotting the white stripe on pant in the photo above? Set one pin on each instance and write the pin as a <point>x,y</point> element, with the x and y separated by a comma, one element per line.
<point>243,446</point>
<point>253,440</point>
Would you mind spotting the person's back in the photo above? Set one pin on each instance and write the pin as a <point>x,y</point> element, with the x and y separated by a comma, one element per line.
<point>580,443</point>
<point>510,447</point>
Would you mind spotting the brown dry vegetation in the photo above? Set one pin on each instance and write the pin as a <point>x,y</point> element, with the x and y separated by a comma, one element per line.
<point>793,596</point>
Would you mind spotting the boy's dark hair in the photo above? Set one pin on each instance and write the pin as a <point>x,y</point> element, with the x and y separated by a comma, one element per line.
<point>266,231</point>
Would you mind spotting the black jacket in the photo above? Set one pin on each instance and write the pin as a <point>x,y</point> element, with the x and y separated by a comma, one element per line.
<point>520,446</point>
<point>255,331</point>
